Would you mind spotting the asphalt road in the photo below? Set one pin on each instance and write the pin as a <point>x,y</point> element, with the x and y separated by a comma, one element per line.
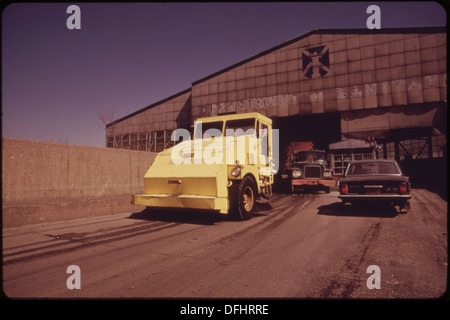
<point>307,246</point>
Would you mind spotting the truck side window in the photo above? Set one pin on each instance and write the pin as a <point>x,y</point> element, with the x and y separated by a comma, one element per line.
<point>264,134</point>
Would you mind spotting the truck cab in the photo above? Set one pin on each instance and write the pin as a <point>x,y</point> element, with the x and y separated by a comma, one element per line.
<point>227,167</point>
<point>308,170</point>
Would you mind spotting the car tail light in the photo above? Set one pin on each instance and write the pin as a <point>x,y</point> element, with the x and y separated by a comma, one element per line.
<point>403,188</point>
<point>343,188</point>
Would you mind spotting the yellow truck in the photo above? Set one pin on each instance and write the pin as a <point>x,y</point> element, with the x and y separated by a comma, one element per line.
<point>227,167</point>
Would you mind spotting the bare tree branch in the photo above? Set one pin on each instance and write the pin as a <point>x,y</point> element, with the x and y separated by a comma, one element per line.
<point>105,116</point>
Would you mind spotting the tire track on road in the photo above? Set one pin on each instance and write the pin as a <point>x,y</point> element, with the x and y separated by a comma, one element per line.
<point>254,233</point>
<point>219,256</point>
<point>59,243</point>
<point>76,241</point>
<point>348,278</point>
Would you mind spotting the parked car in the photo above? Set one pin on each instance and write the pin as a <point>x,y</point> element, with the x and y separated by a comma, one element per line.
<point>380,181</point>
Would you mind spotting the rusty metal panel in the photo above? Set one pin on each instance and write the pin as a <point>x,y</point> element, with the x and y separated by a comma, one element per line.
<point>367,71</point>
<point>318,73</point>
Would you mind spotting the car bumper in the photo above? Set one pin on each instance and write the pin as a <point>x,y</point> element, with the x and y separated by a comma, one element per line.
<point>313,182</point>
<point>184,201</point>
<point>377,197</point>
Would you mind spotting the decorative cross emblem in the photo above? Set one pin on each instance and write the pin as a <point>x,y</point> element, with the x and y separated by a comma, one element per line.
<point>316,62</point>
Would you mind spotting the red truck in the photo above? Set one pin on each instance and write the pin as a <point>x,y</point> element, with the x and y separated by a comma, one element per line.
<point>307,168</point>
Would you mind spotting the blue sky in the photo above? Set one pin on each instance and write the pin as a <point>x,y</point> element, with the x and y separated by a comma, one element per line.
<point>126,56</point>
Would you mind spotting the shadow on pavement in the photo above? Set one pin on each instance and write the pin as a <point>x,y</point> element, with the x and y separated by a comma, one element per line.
<point>358,210</point>
<point>439,190</point>
<point>180,216</point>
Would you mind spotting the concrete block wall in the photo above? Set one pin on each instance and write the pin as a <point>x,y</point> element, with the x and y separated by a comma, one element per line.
<point>44,182</point>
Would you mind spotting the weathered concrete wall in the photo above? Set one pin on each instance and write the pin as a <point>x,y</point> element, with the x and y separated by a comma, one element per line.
<point>44,182</point>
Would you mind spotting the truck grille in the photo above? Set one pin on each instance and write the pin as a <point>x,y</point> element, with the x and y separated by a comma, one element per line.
<point>312,172</point>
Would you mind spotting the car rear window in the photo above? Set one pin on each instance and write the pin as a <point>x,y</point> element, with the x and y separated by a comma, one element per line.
<point>372,168</point>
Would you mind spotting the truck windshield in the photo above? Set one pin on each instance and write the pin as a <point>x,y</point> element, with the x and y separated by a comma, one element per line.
<point>372,168</point>
<point>309,156</point>
<point>240,127</point>
<point>207,129</point>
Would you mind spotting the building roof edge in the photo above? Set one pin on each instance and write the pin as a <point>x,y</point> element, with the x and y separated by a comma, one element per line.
<point>149,107</point>
<point>324,31</point>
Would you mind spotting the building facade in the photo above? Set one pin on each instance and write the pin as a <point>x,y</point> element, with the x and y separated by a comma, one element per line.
<point>388,86</point>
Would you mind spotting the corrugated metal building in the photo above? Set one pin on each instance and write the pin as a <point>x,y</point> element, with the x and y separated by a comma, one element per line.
<point>323,86</point>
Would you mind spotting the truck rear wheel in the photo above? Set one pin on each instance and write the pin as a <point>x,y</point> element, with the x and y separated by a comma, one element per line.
<point>243,198</point>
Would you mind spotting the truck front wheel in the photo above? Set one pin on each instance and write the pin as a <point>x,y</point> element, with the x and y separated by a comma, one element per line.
<point>243,198</point>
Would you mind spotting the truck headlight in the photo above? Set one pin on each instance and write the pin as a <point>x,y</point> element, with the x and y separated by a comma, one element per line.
<point>296,173</point>
<point>236,171</point>
<point>327,173</point>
